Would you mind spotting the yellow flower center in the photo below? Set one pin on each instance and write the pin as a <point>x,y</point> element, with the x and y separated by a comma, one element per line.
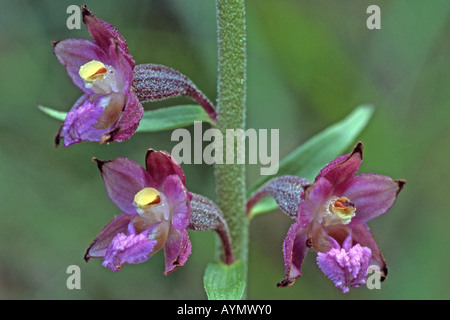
<point>339,211</point>
<point>92,71</point>
<point>344,209</point>
<point>146,198</point>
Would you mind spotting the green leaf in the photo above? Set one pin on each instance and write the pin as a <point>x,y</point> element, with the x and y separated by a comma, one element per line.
<point>59,115</point>
<point>265,205</point>
<point>172,117</point>
<point>156,120</point>
<point>307,160</point>
<point>224,282</point>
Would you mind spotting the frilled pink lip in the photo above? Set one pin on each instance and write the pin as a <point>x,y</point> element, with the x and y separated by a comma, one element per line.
<point>123,179</point>
<point>109,47</point>
<point>372,195</point>
<point>345,265</point>
<point>128,248</point>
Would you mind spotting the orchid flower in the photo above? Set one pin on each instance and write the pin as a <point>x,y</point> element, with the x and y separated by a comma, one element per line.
<point>103,69</point>
<point>333,213</point>
<point>331,216</point>
<point>155,214</point>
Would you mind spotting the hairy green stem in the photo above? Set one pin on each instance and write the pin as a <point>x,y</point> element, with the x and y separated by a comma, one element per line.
<point>230,177</point>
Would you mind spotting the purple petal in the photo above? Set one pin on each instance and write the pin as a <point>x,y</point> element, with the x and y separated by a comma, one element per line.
<point>129,120</point>
<point>178,200</point>
<point>177,250</point>
<point>73,53</point>
<point>118,225</point>
<point>92,121</point>
<point>101,32</point>
<point>343,167</point>
<point>131,248</point>
<point>79,125</point>
<point>80,101</point>
<point>345,266</point>
<point>294,251</point>
<point>123,179</point>
<point>160,165</point>
<point>362,235</point>
<point>372,194</point>
<point>76,105</point>
<point>121,64</point>
<point>314,198</point>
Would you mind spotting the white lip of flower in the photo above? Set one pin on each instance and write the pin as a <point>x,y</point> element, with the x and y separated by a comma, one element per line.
<point>152,204</point>
<point>99,77</point>
<point>338,210</point>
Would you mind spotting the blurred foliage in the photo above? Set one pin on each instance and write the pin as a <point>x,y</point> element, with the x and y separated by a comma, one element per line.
<point>309,64</point>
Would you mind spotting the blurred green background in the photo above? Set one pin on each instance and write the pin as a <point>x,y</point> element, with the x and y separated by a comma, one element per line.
<point>309,64</point>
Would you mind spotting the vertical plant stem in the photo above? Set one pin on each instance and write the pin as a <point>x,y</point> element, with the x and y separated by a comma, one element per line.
<point>230,178</point>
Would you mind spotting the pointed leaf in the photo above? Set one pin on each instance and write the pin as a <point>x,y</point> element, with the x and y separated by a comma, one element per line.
<point>172,118</point>
<point>263,206</point>
<point>59,115</point>
<point>156,120</point>
<point>224,282</point>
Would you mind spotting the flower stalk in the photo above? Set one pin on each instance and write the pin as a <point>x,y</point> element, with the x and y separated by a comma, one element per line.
<point>230,178</point>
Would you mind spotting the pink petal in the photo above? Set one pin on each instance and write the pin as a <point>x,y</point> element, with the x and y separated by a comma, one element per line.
<point>120,61</point>
<point>343,167</point>
<point>372,194</point>
<point>101,32</point>
<point>362,235</point>
<point>178,200</point>
<point>176,250</point>
<point>123,179</point>
<point>294,251</point>
<point>160,164</point>
<point>314,199</point>
<point>73,53</point>
<point>129,120</point>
